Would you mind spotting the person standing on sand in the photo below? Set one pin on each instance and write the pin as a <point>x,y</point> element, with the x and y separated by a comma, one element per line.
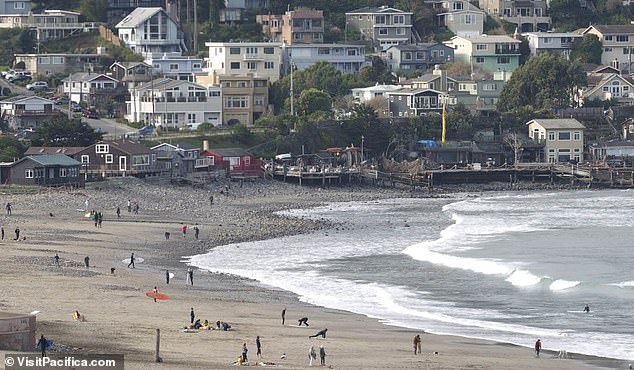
<point>283,315</point>
<point>2,230</point>
<point>190,276</point>
<point>417,344</point>
<point>192,315</point>
<point>167,277</point>
<point>56,258</point>
<point>87,261</point>
<point>244,353</point>
<point>258,346</point>
<point>211,200</point>
<point>129,206</point>
<point>322,355</point>
<point>155,291</point>
<point>131,261</point>
<point>184,228</point>
<point>118,212</point>
<point>196,231</point>
<point>312,356</point>
<point>538,346</point>
<point>17,233</point>
<point>42,344</point>
<point>586,309</point>
<point>8,209</point>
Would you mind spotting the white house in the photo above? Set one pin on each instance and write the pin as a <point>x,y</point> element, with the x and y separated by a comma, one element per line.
<point>618,45</point>
<point>175,104</point>
<point>175,66</point>
<point>27,111</point>
<point>608,86</point>
<point>48,25</point>
<point>150,30</point>
<point>261,59</point>
<point>554,42</point>
<point>346,58</point>
<point>362,95</point>
<point>84,86</point>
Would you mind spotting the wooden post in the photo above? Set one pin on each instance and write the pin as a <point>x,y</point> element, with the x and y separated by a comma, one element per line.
<point>157,358</point>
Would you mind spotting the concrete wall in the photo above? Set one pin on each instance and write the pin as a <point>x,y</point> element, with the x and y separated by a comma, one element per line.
<point>17,332</point>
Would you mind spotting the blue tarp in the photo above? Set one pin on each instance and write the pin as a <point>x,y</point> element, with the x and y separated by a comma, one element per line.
<point>428,143</point>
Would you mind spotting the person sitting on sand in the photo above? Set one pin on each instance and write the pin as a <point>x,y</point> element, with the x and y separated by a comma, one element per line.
<point>321,332</point>
<point>197,324</point>
<point>206,325</point>
<point>225,326</point>
<point>303,320</point>
<point>77,316</point>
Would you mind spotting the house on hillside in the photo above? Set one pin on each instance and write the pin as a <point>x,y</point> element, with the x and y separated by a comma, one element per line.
<point>175,66</point>
<point>118,9</point>
<point>603,87</point>
<point>384,26</point>
<point>240,164</point>
<point>95,89</point>
<point>260,59</point>
<point>459,16</point>
<point>552,42</point>
<point>20,112</point>
<point>49,24</point>
<point>414,102</point>
<point>245,99</point>
<point>422,56</point>
<point>175,104</point>
<point>131,74</point>
<point>46,170</point>
<point>490,53</point>
<point>299,26</point>
<point>117,158</point>
<point>15,7</point>
<point>347,58</point>
<point>177,159</point>
<point>528,15</point>
<point>70,151</point>
<point>562,139</point>
<point>618,45</point>
<point>150,30</point>
<point>46,64</point>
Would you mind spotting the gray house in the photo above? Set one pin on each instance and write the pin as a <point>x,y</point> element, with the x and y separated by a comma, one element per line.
<point>383,25</point>
<point>15,6</point>
<point>177,159</point>
<point>46,170</point>
<point>417,56</point>
<point>414,102</point>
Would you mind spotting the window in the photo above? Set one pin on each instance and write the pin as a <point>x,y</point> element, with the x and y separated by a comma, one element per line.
<point>399,19</point>
<point>214,93</point>
<point>382,31</point>
<point>252,65</point>
<point>173,67</point>
<point>608,38</point>
<point>269,65</point>
<point>551,135</point>
<point>504,60</point>
<point>407,55</point>
<point>140,160</point>
<point>196,66</point>
<point>481,46</point>
<point>576,136</point>
<point>468,19</point>
<point>258,100</point>
<point>252,50</point>
<point>101,148</point>
<point>323,51</point>
<point>479,59</point>
<point>18,5</point>
<point>379,19</point>
<point>259,83</point>
<point>234,51</point>
<point>28,173</point>
<point>109,158</point>
<point>563,135</point>
<point>39,173</point>
<point>235,65</point>
<point>400,31</point>
<point>85,159</point>
<point>74,172</point>
<point>269,51</point>
<point>58,60</point>
<point>489,87</point>
<point>622,38</point>
<point>44,60</point>
<point>606,88</point>
<point>191,117</point>
<point>236,102</point>
<point>547,40</point>
<point>62,172</point>
<point>457,5</point>
<point>297,35</point>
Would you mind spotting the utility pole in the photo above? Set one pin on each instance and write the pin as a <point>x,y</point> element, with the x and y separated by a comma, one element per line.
<point>292,93</point>
<point>362,142</point>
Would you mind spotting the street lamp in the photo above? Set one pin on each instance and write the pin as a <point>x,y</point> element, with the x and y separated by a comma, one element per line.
<point>362,139</point>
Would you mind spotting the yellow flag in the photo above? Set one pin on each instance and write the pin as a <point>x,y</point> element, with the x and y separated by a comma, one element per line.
<point>444,122</point>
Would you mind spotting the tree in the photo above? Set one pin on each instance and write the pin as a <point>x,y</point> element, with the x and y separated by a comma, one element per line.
<point>588,49</point>
<point>515,143</point>
<point>546,81</point>
<point>313,100</point>
<point>94,10</point>
<point>64,132</point>
<point>10,149</point>
<point>241,134</point>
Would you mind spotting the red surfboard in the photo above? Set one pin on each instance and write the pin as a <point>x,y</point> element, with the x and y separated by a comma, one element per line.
<point>157,295</point>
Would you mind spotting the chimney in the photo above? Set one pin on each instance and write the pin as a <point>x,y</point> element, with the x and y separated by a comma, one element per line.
<point>205,144</point>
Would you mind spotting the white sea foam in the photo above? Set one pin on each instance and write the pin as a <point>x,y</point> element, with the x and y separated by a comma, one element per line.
<point>559,285</point>
<point>523,278</point>
<point>623,284</point>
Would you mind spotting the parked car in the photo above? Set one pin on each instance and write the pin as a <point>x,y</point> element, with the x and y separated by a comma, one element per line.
<point>19,77</point>
<point>88,113</point>
<point>37,85</point>
<point>62,101</point>
<point>76,108</point>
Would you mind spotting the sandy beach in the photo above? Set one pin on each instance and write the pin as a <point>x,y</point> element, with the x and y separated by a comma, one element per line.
<point>121,319</point>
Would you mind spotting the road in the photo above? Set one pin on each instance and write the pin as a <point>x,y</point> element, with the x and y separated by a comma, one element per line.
<point>109,127</point>
<point>15,88</point>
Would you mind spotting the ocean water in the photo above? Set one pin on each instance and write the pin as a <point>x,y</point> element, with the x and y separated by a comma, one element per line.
<point>509,267</point>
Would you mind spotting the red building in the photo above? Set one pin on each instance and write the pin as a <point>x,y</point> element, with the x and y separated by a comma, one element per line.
<point>239,163</point>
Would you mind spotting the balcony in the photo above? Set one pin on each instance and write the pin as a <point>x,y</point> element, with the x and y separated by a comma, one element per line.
<point>33,113</point>
<point>253,57</point>
<point>172,99</point>
<point>506,50</point>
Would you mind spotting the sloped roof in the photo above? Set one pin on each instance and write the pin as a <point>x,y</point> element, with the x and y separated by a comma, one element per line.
<point>230,152</point>
<point>603,80</point>
<point>408,91</point>
<point>87,76</point>
<point>139,15</point>
<point>558,123</point>
<point>18,98</point>
<point>164,83</point>
<point>128,65</point>
<point>128,146</point>
<point>44,150</point>
<point>377,9</point>
<point>613,28</point>
<point>53,160</point>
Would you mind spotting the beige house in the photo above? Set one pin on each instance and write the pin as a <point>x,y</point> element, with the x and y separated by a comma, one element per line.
<point>260,59</point>
<point>300,26</point>
<point>618,45</point>
<point>244,99</point>
<point>562,139</point>
<point>61,63</point>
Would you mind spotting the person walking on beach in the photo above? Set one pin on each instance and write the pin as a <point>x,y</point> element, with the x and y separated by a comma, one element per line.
<point>211,200</point>
<point>303,320</point>
<point>283,315</point>
<point>118,212</point>
<point>167,277</point>
<point>258,346</point>
<point>244,353</point>
<point>190,276</point>
<point>155,291</point>
<point>322,355</point>
<point>538,346</point>
<point>312,356</point>
<point>17,233</point>
<point>8,209</point>
<point>87,261</point>
<point>2,231</point>
<point>131,261</point>
<point>129,206</point>
<point>321,332</point>
<point>99,219</point>
<point>184,228</point>
<point>192,315</point>
<point>56,258</point>
<point>42,344</point>
<point>196,231</point>
<point>417,344</point>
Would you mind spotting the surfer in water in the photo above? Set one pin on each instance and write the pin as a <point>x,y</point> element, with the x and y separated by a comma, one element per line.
<point>586,309</point>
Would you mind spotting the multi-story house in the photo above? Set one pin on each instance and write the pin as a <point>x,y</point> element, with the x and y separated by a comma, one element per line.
<point>562,139</point>
<point>131,74</point>
<point>413,102</point>
<point>49,25</point>
<point>116,158</point>
<point>553,42</point>
<point>96,89</point>
<point>363,95</point>
<point>618,45</point>
<point>22,112</point>
<point>384,26</point>
<point>245,99</point>
<point>118,9</point>
<point>607,86</point>
<point>346,58</point>
<point>417,56</point>
<point>459,16</point>
<point>299,26</point>
<point>174,104</point>
<point>175,66</point>
<point>233,10</point>
<point>260,59</point>
<point>150,30</point>
<point>15,6</point>
<point>528,15</point>
<point>490,53</point>
<point>58,63</point>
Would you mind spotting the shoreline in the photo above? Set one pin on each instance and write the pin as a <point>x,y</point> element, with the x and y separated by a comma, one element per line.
<point>255,306</point>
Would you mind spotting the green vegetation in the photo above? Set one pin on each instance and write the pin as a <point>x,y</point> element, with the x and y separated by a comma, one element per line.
<point>587,50</point>
<point>64,132</point>
<point>14,41</point>
<point>10,149</point>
